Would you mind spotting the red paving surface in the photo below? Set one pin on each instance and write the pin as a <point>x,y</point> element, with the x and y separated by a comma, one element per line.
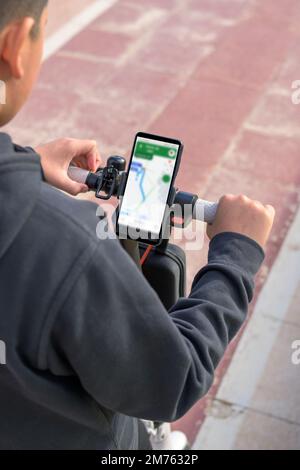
<point>216,74</point>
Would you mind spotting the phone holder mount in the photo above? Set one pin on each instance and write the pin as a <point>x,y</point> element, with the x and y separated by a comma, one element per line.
<point>109,181</point>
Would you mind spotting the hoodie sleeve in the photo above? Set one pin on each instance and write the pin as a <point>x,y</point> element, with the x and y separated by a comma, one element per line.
<point>20,149</point>
<point>29,150</point>
<point>134,357</point>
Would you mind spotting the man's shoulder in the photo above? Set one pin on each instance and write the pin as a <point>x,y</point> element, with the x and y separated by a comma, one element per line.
<point>68,230</point>
<point>63,212</point>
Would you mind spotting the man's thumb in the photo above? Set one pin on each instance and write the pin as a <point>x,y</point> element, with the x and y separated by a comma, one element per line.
<point>74,188</point>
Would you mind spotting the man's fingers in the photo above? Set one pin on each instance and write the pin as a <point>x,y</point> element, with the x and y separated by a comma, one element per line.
<point>271,210</point>
<point>57,156</point>
<point>84,147</point>
<point>81,147</point>
<point>93,160</point>
<point>73,188</point>
<point>86,154</point>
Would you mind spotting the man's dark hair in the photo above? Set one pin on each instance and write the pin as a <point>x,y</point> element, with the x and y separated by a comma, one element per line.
<point>16,9</point>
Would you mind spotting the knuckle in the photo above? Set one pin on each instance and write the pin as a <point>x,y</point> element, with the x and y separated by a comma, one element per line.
<point>243,199</point>
<point>91,143</point>
<point>271,209</point>
<point>227,198</point>
<point>67,141</point>
<point>265,212</point>
<point>258,206</point>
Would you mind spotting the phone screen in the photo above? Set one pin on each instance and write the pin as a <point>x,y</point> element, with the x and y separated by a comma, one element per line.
<point>149,182</point>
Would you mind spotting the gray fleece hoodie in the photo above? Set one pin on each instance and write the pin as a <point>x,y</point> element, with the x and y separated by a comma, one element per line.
<point>90,347</point>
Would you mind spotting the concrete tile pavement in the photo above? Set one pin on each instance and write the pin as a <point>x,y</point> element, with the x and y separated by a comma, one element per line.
<point>256,431</point>
<point>257,405</point>
<point>61,12</point>
<point>215,73</point>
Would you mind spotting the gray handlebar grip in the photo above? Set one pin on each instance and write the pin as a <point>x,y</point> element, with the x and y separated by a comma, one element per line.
<point>205,211</point>
<point>77,174</point>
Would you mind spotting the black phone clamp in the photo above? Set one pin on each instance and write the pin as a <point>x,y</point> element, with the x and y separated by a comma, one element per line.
<point>108,182</point>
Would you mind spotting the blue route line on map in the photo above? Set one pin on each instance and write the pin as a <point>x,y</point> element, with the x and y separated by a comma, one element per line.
<point>140,170</point>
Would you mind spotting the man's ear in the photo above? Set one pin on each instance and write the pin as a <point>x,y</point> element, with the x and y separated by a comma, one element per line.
<point>14,38</point>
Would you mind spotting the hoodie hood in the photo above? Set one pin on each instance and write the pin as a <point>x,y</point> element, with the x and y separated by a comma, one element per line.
<point>20,184</point>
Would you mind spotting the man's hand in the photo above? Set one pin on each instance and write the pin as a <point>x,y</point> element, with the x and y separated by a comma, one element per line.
<point>57,156</point>
<point>243,215</point>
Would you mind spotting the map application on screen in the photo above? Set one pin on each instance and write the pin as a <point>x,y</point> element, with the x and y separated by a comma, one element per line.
<point>148,186</point>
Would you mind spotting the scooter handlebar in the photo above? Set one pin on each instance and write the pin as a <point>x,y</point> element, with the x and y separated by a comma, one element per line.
<point>78,175</point>
<point>204,211</point>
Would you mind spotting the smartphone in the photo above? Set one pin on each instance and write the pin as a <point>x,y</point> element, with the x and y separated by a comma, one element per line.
<point>149,189</point>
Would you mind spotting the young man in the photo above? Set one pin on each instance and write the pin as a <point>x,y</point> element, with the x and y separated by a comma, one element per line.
<point>89,346</point>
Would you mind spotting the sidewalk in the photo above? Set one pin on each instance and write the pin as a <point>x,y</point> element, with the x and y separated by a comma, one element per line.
<point>257,405</point>
<point>216,74</point>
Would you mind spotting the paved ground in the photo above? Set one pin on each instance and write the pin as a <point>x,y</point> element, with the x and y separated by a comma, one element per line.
<point>218,75</point>
<point>257,405</point>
